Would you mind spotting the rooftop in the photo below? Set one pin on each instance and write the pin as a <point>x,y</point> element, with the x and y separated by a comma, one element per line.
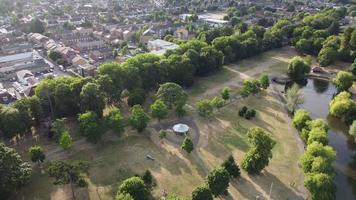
<point>15,57</point>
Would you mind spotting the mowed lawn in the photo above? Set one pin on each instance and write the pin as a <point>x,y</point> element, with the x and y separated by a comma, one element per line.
<point>115,159</point>
<point>227,135</point>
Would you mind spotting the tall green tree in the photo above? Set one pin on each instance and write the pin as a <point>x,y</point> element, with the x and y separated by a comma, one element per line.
<point>66,140</point>
<point>218,181</point>
<point>343,80</point>
<point>135,187</point>
<point>172,95</point>
<point>37,154</point>
<point>202,193</point>
<point>12,121</point>
<point>92,99</point>
<point>300,119</point>
<point>205,107</point>
<point>298,68</point>
<point>264,81</point>
<point>68,172</point>
<point>89,126</point>
<point>36,26</point>
<point>138,118</point>
<point>257,158</point>
<point>115,120</point>
<point>187,145</point>
<point>225,93</point>
<point>320,186</point>
<point>14,172</point>
<point>159,110</point>
<point>230,165</point>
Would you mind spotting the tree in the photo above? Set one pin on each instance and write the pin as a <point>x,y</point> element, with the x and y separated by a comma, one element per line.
<point>66,140</point>
<point>107,86</point>
<point>92,99</point>
<point>58,127</point>
<point>205,107</point>
<point>135,187</point>
<point>159,109</point>
<point>202,193</point>
<point>231,167</point>
<point>353,68</point>
<point>352,130</point>
<point>298,68</point>
<point>293,98</point>
<point>115,120</point>
<point>36,153</point>
<point>136,97</point>
<point>300,119</point>
<point>187,144</point>
<point>124,196</point>
<point>225,93</point>
<point>138,118</point>
<point>13,121</point>
<point>264,81</point>
<point>305,46</point>
<point>147,178</point>
<point>318,158</point>
<point>89,126</point>
<point>257,158</point>
<point>320,186</point>
<point>218,181</point>
<point>327,55</point>
<point>172,95</point>
<point>55,55</point>
<point>343,80</point>
<point>36,26</point>
<point>218,102</point>
<point>343,107</point>
<point>14,172</point>
<point>250,87</point>
<point>68,172</point>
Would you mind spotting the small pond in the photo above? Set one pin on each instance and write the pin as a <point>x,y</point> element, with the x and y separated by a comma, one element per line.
<point>317,95</point>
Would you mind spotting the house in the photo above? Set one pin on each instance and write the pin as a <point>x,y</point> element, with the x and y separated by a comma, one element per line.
<point>22,75</point>
<point>96,55</point>
<point>147,36</point>
<point>67,53</point>
<point>38,38</point>
<point>160,47</point>
<point>87,70</point>
<point>6,97</point>
<point>78,61</point>
<point>89,44</point>
<point>83,31</point>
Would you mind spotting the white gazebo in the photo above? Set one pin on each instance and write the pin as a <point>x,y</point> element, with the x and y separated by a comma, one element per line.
<point>181,129</point>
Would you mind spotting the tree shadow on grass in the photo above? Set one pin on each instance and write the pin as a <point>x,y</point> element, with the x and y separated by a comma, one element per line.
<point>245,188</point>
<point>267,181</point>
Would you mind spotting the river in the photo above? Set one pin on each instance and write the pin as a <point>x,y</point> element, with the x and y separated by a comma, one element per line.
<point>317,95</point>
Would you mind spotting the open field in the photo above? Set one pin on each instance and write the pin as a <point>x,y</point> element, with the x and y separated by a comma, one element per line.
<point>115,159</point>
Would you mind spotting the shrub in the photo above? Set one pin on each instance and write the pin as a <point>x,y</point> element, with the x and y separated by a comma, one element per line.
<point>243,111</point>
<point>162,134</point>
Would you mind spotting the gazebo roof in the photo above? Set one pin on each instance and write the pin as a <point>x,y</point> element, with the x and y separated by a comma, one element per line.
<point>180,128</point>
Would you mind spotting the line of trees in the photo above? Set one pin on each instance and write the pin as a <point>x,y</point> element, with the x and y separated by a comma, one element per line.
<point>318,157</point>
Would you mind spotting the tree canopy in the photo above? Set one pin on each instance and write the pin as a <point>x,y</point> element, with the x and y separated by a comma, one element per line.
<point>14,172</point>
